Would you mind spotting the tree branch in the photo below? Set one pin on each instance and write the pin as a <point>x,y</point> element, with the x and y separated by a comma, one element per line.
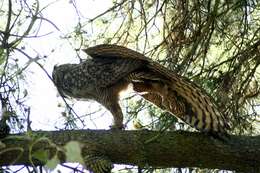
<point>143,148</point>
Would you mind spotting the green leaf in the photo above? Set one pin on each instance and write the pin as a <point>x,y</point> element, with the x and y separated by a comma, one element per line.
<point>41,155</point>
<point>52,164</point>
<point>73,152</point>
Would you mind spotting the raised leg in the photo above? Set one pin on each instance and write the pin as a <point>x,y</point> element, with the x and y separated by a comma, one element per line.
<point>154,87</point>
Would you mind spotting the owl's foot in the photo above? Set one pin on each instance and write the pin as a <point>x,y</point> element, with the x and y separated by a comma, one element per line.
<point>223,137</point>
<point>117,127</point>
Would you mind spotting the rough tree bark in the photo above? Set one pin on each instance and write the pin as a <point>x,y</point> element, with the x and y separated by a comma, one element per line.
<point>143,148</point>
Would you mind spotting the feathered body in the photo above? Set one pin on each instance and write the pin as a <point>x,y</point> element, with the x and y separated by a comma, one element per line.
<point>112,68</point>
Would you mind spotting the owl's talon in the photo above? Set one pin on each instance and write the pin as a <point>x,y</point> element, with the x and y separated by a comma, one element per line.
<point>116,127</point>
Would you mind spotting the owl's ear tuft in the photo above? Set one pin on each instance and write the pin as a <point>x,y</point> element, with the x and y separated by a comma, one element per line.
<point>55,66</point>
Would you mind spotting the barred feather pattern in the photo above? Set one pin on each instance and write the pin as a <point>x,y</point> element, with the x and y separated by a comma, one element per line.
<point>98,164</point>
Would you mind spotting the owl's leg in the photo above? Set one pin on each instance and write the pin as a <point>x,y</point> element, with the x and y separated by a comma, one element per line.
<point>170,102</point>
<point>111,102</point>
<point>154,87</point>
<point>116,111</point>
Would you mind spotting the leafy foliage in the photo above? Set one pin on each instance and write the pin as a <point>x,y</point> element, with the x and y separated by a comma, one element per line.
<point>12,32</point>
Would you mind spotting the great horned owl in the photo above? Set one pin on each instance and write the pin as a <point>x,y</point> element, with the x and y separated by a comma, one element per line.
<point>112,68</point>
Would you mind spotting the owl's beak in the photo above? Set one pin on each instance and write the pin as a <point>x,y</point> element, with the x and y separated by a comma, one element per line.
<point>61,94</point>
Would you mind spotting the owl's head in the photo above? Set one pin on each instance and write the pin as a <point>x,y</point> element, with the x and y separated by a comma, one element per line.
<point>58,73</point>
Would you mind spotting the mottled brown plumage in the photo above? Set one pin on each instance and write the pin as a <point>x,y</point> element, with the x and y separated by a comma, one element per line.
<point>114,67</point>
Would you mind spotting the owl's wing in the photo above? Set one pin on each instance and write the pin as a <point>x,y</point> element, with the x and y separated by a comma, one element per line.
<point>114,51</point>
<point>117,61</point>
<point>105,72</point>
<point>107,51</point>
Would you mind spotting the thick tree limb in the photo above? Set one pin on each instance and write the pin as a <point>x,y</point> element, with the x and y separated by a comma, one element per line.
<point>143,148</point>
